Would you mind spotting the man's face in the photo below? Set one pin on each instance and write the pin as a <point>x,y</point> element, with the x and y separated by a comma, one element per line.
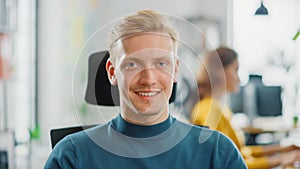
<point>145,75</point>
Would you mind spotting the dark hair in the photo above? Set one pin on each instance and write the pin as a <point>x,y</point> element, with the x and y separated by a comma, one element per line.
<point>210,75</point>
<point>226,55</point>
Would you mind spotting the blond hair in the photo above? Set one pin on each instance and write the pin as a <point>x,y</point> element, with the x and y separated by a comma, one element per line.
<point>143,21</point>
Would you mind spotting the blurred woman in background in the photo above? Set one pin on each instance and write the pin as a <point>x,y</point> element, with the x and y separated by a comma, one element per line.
<point>219,76</point>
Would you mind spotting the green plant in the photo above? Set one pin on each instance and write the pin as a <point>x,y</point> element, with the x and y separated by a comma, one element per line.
<point>296,35</point>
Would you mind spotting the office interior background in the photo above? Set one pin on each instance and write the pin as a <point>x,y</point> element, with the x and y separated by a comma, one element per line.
<point>44,48</point>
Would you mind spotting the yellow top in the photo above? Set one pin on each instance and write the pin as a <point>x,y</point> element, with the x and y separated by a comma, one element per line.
<point>217,116</point>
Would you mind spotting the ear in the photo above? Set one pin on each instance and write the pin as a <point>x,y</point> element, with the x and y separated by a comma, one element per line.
<point>111,72</point>
<point>176,71</point>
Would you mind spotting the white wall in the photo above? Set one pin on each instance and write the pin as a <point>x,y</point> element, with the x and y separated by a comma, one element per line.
<point>261,39</point>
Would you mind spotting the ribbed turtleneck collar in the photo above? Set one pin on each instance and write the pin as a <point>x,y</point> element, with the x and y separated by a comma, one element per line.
<point>140,131</point>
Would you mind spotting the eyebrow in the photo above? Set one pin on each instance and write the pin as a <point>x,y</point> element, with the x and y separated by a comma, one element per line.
<point>139,59</point>
<point>163,58</point>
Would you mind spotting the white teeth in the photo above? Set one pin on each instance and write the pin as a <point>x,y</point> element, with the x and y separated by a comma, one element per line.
<point>147,94</point>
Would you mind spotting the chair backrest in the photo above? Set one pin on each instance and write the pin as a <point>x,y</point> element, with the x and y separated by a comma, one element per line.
<point>58,134</point>
<point>104,94</point>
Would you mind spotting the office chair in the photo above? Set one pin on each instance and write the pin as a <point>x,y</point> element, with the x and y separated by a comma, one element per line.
<point>104,94</point>
<point>57,134</point>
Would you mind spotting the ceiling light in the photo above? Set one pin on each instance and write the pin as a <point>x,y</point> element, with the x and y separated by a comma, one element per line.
<point>262,10</point>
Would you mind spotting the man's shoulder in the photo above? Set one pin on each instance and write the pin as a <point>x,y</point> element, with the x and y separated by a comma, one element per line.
<point>84,136</point>
<point>213,143</point>
<point>87,133</point>
<point>203,134</point>
<point>199,133</point>
<point>194,129</point>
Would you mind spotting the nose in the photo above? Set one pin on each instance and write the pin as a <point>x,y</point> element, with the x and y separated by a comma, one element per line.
<point>148,77</point>
<point>239,79</point>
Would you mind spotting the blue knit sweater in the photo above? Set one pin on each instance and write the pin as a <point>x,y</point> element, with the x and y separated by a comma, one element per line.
<point>167,145</point>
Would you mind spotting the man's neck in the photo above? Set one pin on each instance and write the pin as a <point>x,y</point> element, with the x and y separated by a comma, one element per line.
<point>142,119</point>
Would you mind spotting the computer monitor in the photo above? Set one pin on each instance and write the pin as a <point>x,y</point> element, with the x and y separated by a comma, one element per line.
<point>269,101</point>
<point>237,101</point>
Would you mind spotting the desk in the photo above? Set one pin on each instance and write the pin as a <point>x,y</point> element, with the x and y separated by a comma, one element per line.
<point>292,139</point>
<point>255,130</point>
<point>252,132</point>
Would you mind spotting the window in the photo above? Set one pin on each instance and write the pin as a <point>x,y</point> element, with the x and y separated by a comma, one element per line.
<point>18,50</point>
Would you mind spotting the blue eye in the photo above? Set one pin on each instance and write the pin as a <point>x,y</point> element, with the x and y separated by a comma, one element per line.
<point>130,65</point>
<point>162,63</point>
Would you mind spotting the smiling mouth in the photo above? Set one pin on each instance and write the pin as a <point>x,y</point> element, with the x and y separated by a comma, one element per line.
<point>147,94</point>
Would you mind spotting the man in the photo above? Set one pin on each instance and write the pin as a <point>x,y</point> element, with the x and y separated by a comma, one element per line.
<point>144,65</point>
